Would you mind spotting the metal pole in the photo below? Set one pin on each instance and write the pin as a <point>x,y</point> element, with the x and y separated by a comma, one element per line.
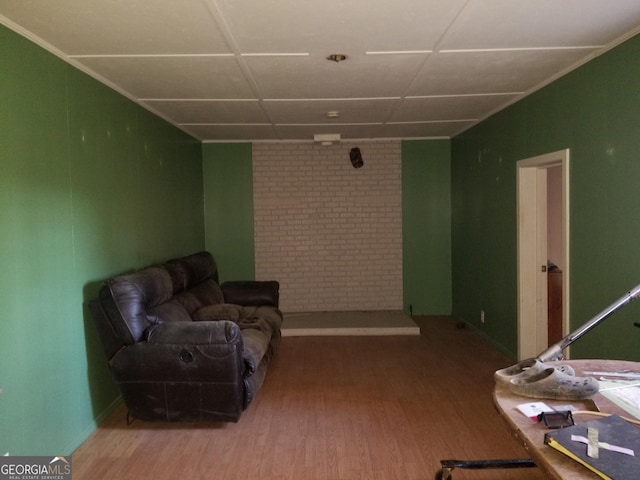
<point>554,352</point>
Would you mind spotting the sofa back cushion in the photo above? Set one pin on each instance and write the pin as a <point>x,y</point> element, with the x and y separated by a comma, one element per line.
<point>135,301</point>
<point>200,295</point>
<point>191,270</point>
<point>195,281</point>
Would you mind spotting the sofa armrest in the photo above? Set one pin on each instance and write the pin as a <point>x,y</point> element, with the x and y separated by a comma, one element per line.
<point>251,292</point>
<point>194,333</point>
<point>207,352</point>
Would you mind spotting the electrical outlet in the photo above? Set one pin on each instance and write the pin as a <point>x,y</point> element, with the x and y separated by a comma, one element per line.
<point>481,316</point>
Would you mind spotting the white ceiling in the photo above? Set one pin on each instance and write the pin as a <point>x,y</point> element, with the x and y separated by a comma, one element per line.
<point>241,70</point>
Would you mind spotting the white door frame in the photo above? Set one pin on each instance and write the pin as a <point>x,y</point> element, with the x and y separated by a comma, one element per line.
<point>532,250</point>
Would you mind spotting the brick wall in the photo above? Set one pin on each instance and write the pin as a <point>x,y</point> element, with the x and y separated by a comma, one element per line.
<point>330,233</point>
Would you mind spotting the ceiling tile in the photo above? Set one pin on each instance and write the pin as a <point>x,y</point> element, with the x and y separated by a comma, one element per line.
<point>119,27</point>
<point>351,27</point>
<point>210,111</point>
<point>491,72</point>
<point>425,129</point>
<point>174,77</point>
<point>542,23</point>
<point>360,76</point>
<point>470,107</point>
<point>315,111</point>
<point>231,132</point>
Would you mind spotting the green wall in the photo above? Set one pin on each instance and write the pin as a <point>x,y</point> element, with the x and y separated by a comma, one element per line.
<point>90,185</point>
<point>595,112</point>
<point>426,226</point>
<point>228,180</point>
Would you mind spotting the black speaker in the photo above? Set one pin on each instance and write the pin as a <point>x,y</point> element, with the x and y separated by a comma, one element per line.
<point>356,157</point>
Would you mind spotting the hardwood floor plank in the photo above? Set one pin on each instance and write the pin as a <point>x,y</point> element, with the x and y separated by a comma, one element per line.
<point>334,408</point>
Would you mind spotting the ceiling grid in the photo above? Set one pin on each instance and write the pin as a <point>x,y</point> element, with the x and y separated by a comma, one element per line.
<point>225,70</point>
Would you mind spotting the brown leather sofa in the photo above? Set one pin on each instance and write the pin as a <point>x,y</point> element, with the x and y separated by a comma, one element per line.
<point>182,347</point>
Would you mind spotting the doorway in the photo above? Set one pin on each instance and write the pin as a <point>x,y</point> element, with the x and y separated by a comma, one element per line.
<point>543,231</point>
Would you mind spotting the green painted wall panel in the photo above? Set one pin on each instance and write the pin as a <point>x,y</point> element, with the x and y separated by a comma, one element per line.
<point>90,185</point>
<point>426,226</point>
<point>172,189</point>
<point>595,112</point>
<point>483,226</point>
<point>34,195</point>
<point>228,185</point>
<point>104,173</point>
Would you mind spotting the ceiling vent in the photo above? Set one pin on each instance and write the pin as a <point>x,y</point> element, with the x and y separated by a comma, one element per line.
<point>326,138</point>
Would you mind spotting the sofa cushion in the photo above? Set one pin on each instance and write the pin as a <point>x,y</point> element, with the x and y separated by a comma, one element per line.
<point>201,295</point>
<point>191,270</point>
<point>127,298</point>
<point>214,313</point>
<point>271,314</point>
<point>251,292</point>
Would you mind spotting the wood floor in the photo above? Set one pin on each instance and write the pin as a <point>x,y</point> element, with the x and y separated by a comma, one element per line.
<point>332,408</point>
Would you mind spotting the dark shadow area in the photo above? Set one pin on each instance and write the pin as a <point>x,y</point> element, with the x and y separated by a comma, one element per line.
<point>105,396</point>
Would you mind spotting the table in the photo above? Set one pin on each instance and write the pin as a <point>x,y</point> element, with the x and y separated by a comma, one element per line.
<point>531,435</point>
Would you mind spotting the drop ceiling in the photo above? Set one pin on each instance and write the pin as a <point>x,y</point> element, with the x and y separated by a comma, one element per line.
<point>257,70</point>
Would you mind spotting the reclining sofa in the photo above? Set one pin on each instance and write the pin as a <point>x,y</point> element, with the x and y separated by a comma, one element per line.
<point>182,347</point>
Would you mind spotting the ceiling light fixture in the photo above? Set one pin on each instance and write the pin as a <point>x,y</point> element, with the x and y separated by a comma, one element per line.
<point>337,57</point>
<point>326,139</point>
